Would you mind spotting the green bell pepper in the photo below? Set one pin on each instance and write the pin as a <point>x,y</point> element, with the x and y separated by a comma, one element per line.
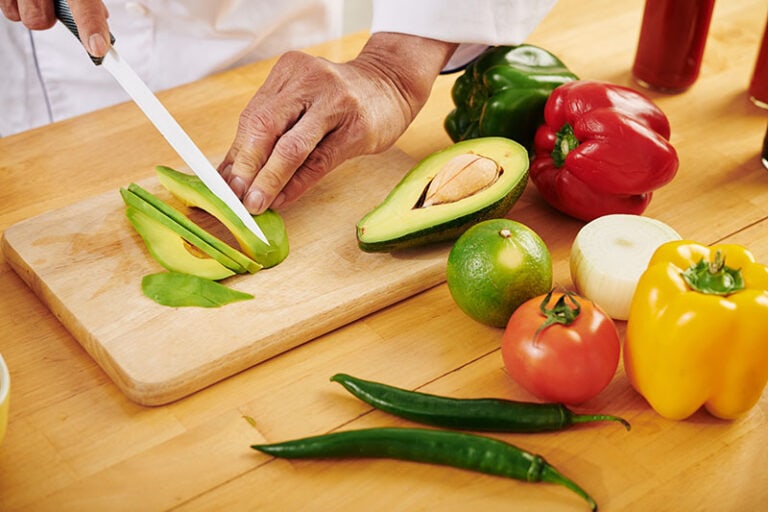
<point>503,92</point>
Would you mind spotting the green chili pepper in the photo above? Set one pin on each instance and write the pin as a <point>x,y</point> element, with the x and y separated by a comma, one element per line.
<point>456,449</point>
<point>482,414</point>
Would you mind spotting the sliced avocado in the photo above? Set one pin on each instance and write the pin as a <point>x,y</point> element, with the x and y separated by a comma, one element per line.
<point>174,229</point>
<point>172,251</point>
<point>182,290</point>
<point>243,262</point>
<point>402,220</point>
<point>192,191</point>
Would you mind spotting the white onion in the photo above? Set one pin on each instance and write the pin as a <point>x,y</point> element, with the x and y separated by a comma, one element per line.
<point>610,253</point>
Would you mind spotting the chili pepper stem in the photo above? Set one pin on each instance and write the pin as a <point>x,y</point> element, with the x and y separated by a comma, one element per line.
<point>550,475</point>
<point>589,418</point>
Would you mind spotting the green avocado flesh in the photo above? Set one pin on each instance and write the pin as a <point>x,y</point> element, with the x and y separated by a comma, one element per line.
<point>172,251</point>
<point>163,213</point>
<point>181,290</point>
<point>399,222</point>
<point>192,192</point>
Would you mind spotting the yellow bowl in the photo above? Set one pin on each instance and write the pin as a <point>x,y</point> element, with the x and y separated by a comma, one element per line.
<point>5,396</point>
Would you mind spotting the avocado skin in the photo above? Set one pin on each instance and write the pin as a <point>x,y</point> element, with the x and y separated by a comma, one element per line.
<point>396,224</point>
<point>450,230</point>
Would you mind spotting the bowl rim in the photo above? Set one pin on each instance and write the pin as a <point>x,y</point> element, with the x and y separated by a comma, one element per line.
<point>5,380</point>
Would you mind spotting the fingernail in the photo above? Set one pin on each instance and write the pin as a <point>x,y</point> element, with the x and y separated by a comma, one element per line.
<point>97,45</point>
<point>227,171</point>
<point>238,185</point>
<point>254,201</point>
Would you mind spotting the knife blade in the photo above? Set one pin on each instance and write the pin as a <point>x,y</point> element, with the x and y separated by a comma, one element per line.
<point>165,123</point>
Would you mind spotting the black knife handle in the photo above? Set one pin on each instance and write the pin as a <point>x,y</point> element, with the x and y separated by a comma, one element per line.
<point>61,8</point>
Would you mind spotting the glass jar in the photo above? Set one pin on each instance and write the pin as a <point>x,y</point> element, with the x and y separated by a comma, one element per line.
<point>758,86</point>
<point>671,45</point>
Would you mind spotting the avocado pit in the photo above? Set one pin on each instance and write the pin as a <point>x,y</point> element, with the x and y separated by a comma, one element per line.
<point>462,176</point>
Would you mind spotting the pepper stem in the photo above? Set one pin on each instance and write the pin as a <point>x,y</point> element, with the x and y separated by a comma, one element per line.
<point>565,142</point>
<point>551,475</point>
<point>589,418</point>
<point>714,277</point>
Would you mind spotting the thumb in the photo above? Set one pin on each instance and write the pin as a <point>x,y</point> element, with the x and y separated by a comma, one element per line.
<point>91,19</point>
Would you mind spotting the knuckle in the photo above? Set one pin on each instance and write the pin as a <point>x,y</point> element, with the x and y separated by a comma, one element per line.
<point>319,163</point>
<point>269,181</point>
<point>253,121</point>
<point>294,147</point>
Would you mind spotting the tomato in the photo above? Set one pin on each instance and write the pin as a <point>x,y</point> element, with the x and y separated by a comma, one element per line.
<point>561,347</point>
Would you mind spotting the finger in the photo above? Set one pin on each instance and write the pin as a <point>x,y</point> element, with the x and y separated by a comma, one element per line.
<point>327,155</point>
<point>10,9</point>
<point>290,152</point>
<point>37,14</point>
<point>255,138</point>
<point>91,19</point>
<point>258,131</point>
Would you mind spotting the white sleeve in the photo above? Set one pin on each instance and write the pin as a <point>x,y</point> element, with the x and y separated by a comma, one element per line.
<point>476,24</point>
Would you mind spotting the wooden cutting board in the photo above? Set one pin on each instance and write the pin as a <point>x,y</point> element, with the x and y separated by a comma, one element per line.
<point>85,262</point>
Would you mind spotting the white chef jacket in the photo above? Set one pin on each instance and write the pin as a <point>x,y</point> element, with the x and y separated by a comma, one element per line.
<point>46,76</point>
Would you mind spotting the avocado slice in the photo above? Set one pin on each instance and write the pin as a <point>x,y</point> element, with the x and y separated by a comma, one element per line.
<point>156,208</point>
<point>404,219</point>
<point>172,251</point>
<point>192,192</point>
<point>183,290</point>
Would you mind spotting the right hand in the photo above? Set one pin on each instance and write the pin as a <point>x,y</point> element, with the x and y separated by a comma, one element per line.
<point>90,17</point>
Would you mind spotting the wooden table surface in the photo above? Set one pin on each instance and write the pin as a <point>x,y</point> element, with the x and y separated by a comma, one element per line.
<point>76,443</point>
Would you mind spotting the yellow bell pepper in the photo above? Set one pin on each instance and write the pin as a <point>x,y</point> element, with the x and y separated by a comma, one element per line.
<point>697,333</point>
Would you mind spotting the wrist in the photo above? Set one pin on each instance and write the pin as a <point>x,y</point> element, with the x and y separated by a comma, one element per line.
<point>411,63</point>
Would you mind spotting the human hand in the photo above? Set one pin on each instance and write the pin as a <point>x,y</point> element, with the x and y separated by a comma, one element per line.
<point>90,17</point>
<point>310,115</point>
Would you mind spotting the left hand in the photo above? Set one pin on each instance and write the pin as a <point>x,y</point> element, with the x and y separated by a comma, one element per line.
<point>311,115</point>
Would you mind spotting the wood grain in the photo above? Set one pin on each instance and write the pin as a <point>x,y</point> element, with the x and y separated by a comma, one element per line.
<point>85,263</point>
<point>76,442</point>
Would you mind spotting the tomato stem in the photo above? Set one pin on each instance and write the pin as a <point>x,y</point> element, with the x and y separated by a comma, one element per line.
<point>564,312</point>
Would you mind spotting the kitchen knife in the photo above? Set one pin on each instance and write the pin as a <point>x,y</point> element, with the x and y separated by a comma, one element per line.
<point>165,123</point>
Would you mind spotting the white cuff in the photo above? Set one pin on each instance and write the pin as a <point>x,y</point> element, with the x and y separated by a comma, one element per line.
<point>486,22</point>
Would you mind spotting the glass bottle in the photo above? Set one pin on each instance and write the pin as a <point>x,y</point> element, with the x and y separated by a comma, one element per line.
<point>764,154</point>
<point>758,86</point>
<point>671,45</point>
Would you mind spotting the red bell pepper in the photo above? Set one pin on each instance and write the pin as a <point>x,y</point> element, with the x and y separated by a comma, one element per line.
<point>603,149</point>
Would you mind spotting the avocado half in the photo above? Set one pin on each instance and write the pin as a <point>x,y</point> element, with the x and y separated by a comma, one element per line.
<point>401,222</point>
<point>190,190</point>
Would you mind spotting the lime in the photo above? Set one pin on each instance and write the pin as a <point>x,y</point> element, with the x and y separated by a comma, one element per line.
<point>494,267</point>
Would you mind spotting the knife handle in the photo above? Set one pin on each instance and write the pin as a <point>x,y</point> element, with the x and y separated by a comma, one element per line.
<point>61,8</point>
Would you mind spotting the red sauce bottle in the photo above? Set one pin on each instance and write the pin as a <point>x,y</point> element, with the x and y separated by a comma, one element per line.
<point>764,154</point>
<point>671,45</point>
<point>758,86</point>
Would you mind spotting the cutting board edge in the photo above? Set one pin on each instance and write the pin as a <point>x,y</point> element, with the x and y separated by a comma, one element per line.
<point>158,393</point>
<point>16,261</point>
<point>152,393</point>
